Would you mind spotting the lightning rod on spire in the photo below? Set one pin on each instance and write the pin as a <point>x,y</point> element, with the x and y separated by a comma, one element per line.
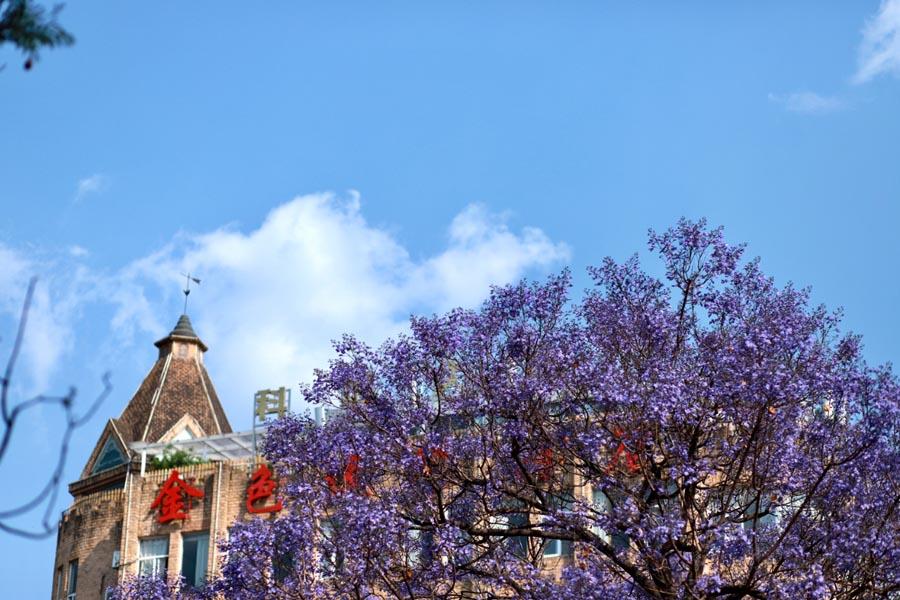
<point>188,278</point>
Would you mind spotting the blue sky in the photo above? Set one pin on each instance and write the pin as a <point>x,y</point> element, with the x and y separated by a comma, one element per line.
<point>337,166</point>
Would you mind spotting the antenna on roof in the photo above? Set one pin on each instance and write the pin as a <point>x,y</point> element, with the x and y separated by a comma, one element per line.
<point>187,288</point>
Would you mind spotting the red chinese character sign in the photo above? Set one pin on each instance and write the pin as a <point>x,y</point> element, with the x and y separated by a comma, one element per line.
<point>349,477</point>
<point>261,487</point>
<point>173,500</point>
<point>632,459</point>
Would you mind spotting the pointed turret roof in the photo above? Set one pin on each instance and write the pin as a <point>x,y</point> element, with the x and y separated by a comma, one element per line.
<point>176,386</point>
<point>183,331</point>
<point>176,398</point>
<point>183,327</point>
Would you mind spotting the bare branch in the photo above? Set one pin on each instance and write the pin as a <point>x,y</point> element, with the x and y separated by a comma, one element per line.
<point>9,417</point>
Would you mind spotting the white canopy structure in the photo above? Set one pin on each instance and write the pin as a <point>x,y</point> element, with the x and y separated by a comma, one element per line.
<point>225,447</point>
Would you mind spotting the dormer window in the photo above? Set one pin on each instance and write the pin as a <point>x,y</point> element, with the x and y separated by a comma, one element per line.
<point>184,435</point>
<point>111,456</point>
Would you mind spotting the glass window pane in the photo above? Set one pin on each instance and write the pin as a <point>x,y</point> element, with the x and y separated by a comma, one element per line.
<point>419,547</point>
<point>552,547</point>
<point>602,505</point>
<point>73,578</point>
<point>331,559</point>
<point>154,558</point>
<point>111,456</point>
<point>189,561</point>
<point>518,544</point>
<point>154,547</point>
<point>194,556</point>
<point>562,500</point>
<point>184,434</point>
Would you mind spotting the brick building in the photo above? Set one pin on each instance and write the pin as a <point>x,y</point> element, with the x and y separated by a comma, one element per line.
<point>128,518</point>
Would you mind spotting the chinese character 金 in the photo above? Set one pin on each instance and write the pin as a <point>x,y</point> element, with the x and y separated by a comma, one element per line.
<point>270,402</point>
<point>171,498</point>
<point>261,487</point>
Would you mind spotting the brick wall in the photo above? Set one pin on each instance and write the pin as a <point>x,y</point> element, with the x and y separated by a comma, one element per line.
<point>99,524</point>
<point>89,531</point>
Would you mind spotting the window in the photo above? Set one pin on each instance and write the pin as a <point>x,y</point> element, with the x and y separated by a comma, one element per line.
<point>282,566</point>
<point>284,563</point>
<point>602,505</point>
<point>111,456</point>
<point>73,580</point>
<point>558,547</point>
<point>184,435</point>
<point>154,559</point>
<point>788,506</point>
<point>229,536</point>
<point>759,513</point>
<point>331,559</point>
<point>59,582</point>
<point>518,544</point>
<point>194,556</point>
<point>514,518</point>
<point>419,545</point>
<point>758,509</point>
<point>552,548</point>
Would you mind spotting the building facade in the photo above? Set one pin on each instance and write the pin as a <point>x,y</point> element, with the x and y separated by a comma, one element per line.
<point>132,515</point>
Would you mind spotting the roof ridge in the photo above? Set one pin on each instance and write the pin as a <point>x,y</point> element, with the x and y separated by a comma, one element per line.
<point>212,409</point>
<point>156,395</point>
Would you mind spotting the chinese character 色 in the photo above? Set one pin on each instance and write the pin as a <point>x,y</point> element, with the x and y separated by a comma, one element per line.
<point>261,487</point>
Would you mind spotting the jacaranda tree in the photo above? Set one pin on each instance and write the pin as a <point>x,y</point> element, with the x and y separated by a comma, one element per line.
<point>704,435</point>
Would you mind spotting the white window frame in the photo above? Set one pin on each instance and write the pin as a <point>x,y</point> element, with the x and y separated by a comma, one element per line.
<point>72,580</point>
<point>154,559</point>
<point>551,547</point>
<point>554,543</point>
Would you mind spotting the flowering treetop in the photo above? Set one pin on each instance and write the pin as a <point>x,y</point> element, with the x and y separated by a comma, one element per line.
<point>704,435</point>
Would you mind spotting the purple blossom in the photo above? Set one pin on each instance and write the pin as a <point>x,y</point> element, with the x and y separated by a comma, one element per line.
<point>705,435</point>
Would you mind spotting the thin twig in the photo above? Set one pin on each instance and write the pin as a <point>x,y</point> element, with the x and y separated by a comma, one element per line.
<point>9,417</point>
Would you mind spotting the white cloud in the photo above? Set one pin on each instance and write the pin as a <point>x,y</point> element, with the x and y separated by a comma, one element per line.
<point>809,103</point>
<point>273,298</point>
<point>49,331</point>
<point>482,251</point>
<point>13,272</point>
<point>95,184</point>
<point>77,251</point>
<point>879,51</point>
